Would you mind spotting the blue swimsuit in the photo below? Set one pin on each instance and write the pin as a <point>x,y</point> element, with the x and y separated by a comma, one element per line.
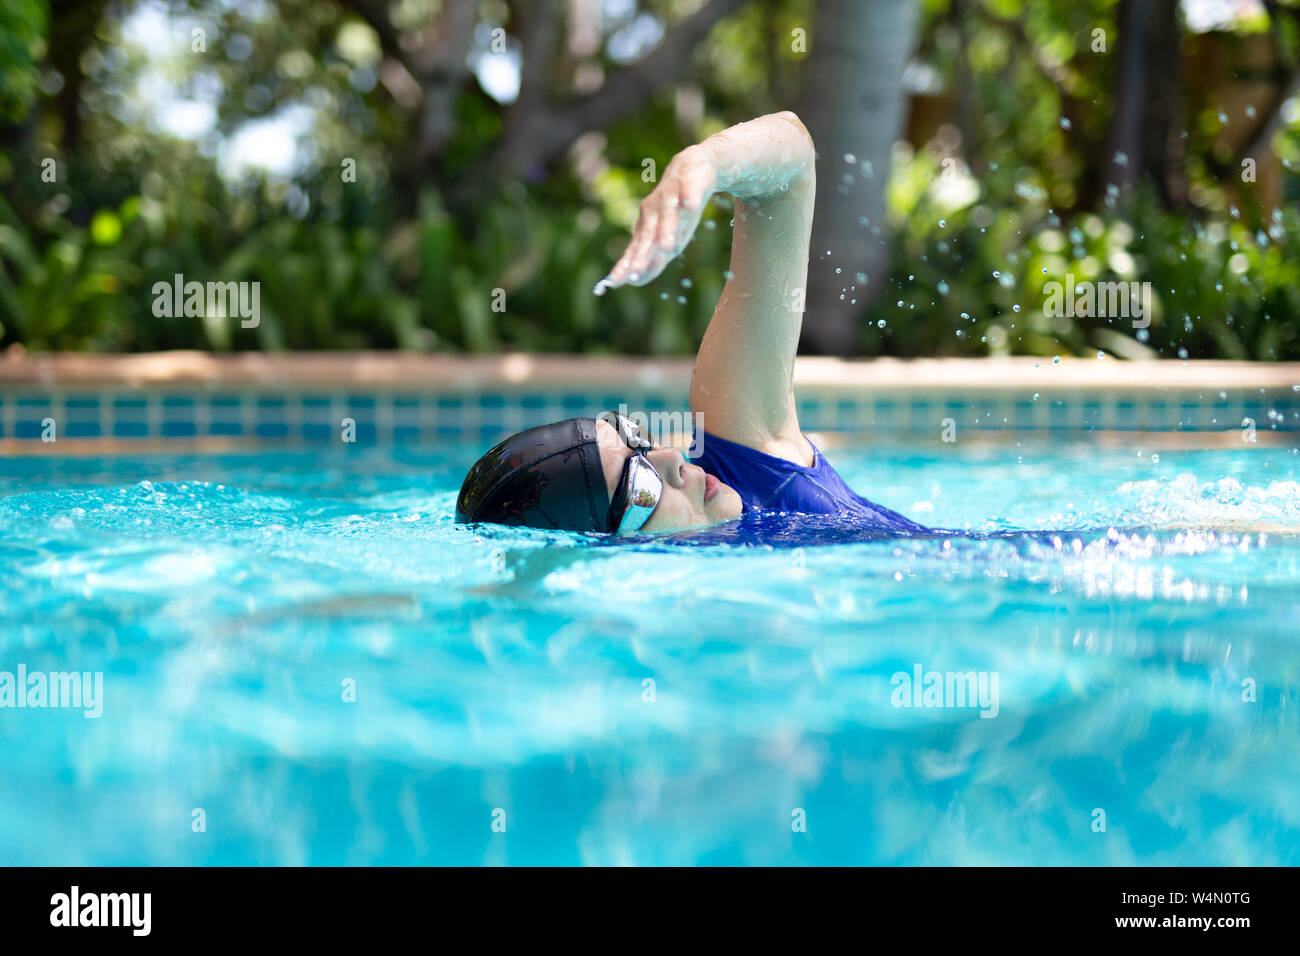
<point>767,483</point>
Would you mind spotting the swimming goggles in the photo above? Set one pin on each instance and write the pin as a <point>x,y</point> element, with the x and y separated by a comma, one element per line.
<point>640,486</point>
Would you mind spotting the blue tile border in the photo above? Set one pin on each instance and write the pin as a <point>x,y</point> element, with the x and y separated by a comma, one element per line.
<point>316,415</point>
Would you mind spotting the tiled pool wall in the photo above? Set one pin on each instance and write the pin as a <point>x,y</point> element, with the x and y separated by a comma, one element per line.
<point>306,415</point>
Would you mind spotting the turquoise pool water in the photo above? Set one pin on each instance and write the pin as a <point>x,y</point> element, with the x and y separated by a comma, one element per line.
<point>226,602</point>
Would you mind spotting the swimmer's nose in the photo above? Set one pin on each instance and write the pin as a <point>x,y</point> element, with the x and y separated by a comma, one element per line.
<point>671,463</point>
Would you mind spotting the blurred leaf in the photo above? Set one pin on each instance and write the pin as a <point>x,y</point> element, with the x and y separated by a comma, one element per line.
<point>105,228</point>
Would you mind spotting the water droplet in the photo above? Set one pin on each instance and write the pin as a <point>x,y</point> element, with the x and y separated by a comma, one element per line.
<point>686,283</point>
<point>1066,124</point>
<point>850,158</point>
<point>1056,360</point>
<point>881,323</point>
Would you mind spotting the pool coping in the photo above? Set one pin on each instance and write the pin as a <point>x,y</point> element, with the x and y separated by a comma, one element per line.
<point>286,398</point>
<point>1157,441</point>
<point>442,372</point>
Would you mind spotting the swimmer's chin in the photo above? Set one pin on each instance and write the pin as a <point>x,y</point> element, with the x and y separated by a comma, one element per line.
<point>689,527</point>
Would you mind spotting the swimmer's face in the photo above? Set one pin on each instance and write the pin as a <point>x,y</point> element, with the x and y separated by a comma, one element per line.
<point>690,499</point>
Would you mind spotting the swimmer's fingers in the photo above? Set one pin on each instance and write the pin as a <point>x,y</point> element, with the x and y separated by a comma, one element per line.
<point>646,260</point>
<point>676,226</point>
<point>698,180</point>
<point>666,239</point>
<point>665,225</point>
<point>667,244</point>
<point>684,207</point>
<point>632,263</point>
<point>693,199</point>
<point>643,243</point>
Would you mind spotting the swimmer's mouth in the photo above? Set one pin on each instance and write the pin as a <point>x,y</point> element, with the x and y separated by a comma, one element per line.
<point>711,486</point>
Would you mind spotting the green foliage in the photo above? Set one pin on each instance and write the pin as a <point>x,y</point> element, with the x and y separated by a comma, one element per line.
<point>22,44</point>
<point>401,258</point>
<point>972,274</point>
<point>330,285</point>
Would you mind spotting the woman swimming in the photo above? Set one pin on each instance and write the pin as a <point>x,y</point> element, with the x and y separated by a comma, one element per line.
<point>603,474</point>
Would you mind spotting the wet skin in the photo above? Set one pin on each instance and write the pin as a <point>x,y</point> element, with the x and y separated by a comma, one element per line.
<point>683,503</point>
<point>743,380</point>
<point>742,384</point>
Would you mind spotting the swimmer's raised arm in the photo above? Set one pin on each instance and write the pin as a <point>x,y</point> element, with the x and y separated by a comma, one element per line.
<point>742,385</point>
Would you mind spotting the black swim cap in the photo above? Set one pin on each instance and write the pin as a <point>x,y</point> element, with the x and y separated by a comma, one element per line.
<point>546,477</point>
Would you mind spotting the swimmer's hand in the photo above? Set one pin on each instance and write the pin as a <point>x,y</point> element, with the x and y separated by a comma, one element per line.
<point>769,161</point>
<point>667,220</point>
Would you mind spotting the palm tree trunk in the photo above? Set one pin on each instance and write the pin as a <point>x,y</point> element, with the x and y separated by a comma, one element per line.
<point>1145,138</point>
<point>854,106</point>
